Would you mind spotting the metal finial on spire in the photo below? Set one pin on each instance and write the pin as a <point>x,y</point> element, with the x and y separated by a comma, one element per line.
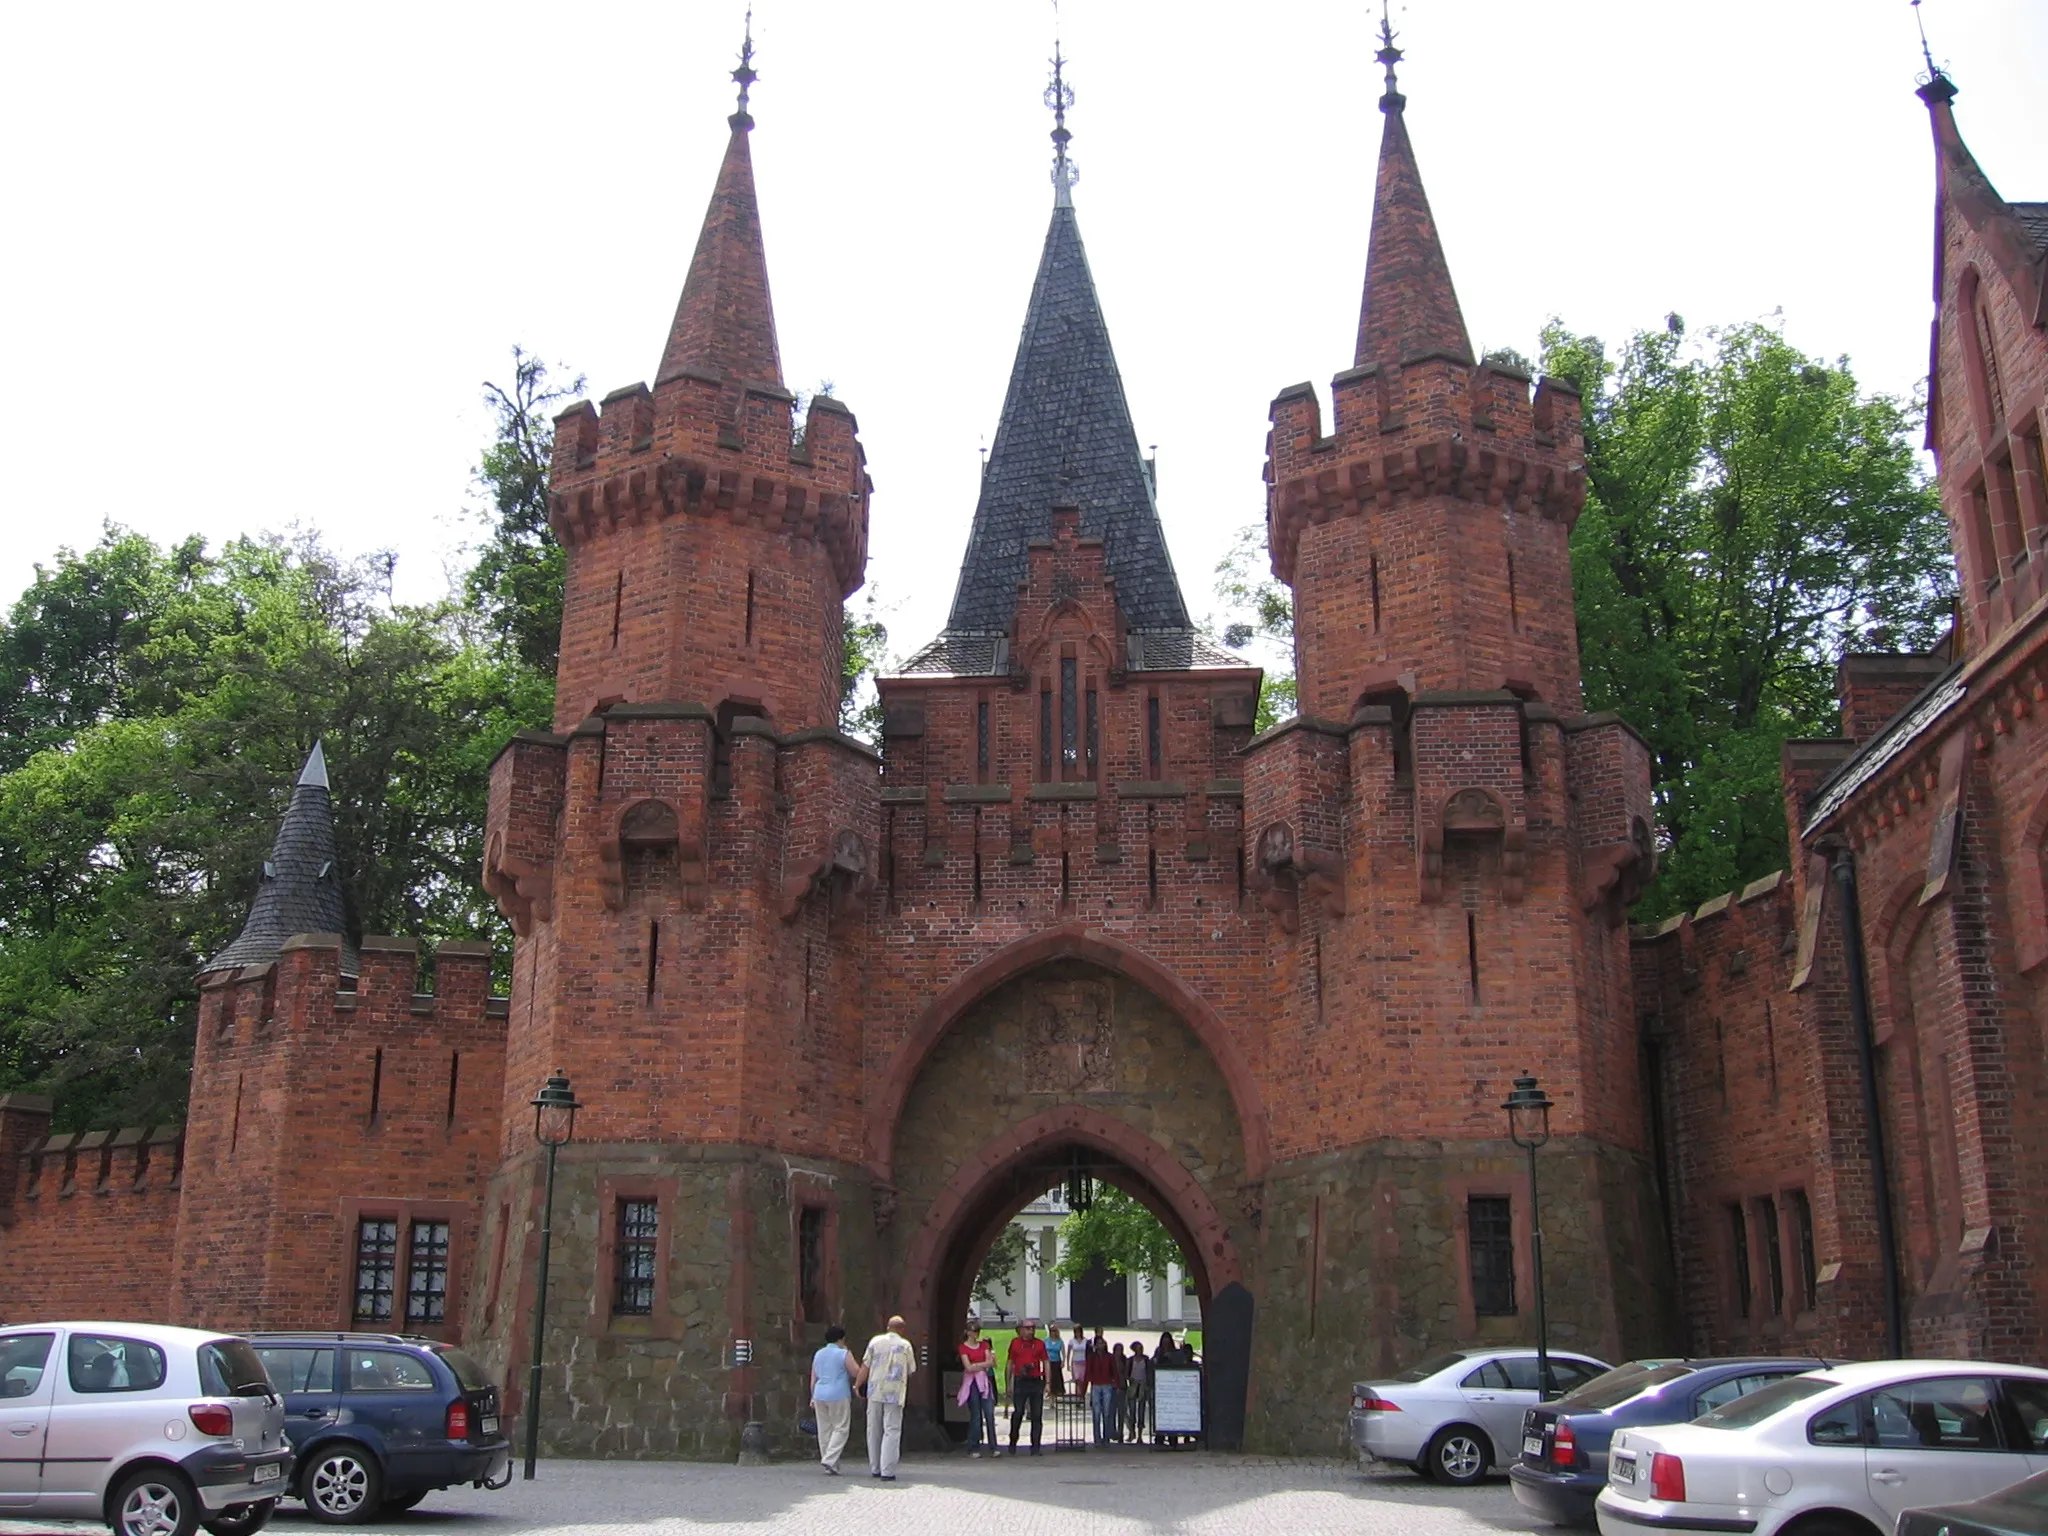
<point>1934,71</point>
<point>1391,100</point>
<point>745,75</point>
<point>1059,96</point>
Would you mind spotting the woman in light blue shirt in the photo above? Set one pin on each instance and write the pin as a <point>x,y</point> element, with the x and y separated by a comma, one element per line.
<point>834,1375</point>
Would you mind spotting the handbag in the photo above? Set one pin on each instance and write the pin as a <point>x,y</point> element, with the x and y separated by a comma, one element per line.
<point>807,1424</point>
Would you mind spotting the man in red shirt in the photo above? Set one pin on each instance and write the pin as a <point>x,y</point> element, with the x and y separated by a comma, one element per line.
<point>1027,1381</point>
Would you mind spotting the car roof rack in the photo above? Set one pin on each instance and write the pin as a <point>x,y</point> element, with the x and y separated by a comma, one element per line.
<point>327,1336</point>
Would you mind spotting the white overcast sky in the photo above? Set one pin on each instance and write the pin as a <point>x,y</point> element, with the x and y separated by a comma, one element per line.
<point>260,257</point>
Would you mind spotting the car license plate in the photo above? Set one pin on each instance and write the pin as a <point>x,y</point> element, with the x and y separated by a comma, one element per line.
<point>488,1424</point>
<point>1532,1445</point>
<point>1621,1469</point>
<point>265,1472</point>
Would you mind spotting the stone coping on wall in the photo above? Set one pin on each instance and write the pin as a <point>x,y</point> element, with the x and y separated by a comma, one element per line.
<point>1714,906</point>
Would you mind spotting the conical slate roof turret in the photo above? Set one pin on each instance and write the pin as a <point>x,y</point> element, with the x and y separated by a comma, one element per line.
<point>725,322</point>
<point>301,888</point>
<point>1066,436</point>
<point>1410,309</point>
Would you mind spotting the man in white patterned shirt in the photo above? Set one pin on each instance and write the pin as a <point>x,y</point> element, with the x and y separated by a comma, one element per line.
<point>889,1360</point>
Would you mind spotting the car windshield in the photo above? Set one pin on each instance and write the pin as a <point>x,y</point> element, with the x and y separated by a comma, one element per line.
<point>1430,1367</point>
<point>1759,1405</point>
<point>232,1368</point>
<point>468,1373</point>
<point>1620,1384</point>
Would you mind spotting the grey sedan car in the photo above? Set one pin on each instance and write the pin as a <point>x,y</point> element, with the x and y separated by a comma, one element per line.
<point>1454,1415</point>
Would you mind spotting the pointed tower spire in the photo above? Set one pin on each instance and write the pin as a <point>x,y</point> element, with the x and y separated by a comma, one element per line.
<point>725,321</point>
<point>1065,436</point>
<point>301,887</point>
<point>1410,308</point>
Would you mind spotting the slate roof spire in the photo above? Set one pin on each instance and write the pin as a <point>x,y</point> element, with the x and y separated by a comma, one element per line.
<point>1065,435</point>
<point>1410,308</point>
<point>725,321</point>
<point>301,887</point>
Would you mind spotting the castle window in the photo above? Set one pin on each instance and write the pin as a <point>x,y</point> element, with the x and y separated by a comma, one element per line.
<point>1809,1269</point>
<point>376,1269</point>
<point>1070,718</point>
<point>1154,746</point>
<point>1738,1257</point>
<point>639,1230</point>
<point>1045,731</point>
<point>1774,1252</point>
<point>1490,1239</point>
<point>1094,738</point>
<point>810,1250</point>
<point>981,741</point>
<point>426,1274</point>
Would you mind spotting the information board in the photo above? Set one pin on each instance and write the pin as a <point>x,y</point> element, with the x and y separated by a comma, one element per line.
<point>1177,1402</point>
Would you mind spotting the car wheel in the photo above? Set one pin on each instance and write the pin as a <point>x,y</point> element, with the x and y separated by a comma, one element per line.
<point>155,1501</point>
<point>1459,1455</point>
<point>341,1484</point>
<point>399,1503</point>
<point>241,1519</point>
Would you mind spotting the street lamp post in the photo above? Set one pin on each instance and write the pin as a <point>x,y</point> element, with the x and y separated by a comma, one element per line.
<point>1528,1110</point>
<point>554,1122</point>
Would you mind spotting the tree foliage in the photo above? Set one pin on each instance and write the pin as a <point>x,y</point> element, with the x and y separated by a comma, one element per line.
<point>1750,516</point>
<point>999,1266</point>
<point>1259,616</point>
<point>1118,1233</point>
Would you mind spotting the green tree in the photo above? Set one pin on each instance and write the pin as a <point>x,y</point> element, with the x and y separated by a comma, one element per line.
<point>516,583</point>
<point>1259,612</point>
<point>1751,515</point>
<point>130,842</point>
<point>864,644</point>
<point>999,1267</point>
<point>1117,1232</point>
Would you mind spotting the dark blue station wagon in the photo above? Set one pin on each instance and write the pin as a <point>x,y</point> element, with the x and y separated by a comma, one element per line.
<point>378,1421</point>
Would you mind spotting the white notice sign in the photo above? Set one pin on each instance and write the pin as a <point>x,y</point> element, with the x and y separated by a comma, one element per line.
<point>1177,1402</point>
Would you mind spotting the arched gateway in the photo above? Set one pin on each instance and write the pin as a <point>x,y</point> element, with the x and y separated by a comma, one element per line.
<point>1063,1046</point>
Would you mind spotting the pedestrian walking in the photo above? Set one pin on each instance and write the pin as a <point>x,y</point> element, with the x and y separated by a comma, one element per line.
<point>1055,1348</point>
<point>1027,1382</point>
<point>1120,1395</point>
<point>832,1378</point>
<point>1140,1404</point>
<point>978,1391</point>
<point>1101,1386</point>
<point>886,1367</point>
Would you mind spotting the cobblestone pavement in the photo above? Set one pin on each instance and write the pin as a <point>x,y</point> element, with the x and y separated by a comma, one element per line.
<point>1115,1493</point>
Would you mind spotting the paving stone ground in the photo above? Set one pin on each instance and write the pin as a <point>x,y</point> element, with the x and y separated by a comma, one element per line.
<point>1126,1493</point>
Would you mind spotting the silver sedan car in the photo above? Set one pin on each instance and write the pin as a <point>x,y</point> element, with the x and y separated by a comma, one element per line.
<point>1454,1415</point>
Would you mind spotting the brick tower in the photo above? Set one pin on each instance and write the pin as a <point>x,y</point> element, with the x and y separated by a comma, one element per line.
<point>673,859</point>
<point>1455,841</point>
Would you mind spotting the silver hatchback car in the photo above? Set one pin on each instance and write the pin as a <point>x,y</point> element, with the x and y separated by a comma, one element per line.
<point>1454,1415</point>
<point>155,1431</point>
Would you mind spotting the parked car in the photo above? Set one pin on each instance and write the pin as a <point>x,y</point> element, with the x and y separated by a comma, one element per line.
<point>154,1431</point>
<point>1451,1416</point>
<point>1564,1444</point>
<point>2021,1510</point>
<point>377,1421</point>
<point>1840,1451</point>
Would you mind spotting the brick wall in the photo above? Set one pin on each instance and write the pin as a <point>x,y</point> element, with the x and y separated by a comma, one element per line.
<point>94,1218</point>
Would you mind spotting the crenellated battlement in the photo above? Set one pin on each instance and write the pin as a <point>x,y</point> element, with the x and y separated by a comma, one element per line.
<point>135,1160</point>
<point>680,449</point>
<point>306,987</point>
<point>1432,426</point>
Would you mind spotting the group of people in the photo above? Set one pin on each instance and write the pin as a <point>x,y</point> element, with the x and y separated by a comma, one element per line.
<point>1118,1383</point>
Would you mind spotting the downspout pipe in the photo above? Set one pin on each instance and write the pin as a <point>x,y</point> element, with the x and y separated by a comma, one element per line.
<point>1842,865</point>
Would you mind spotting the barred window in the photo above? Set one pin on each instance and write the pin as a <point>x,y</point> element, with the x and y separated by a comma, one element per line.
<point>1070,722</point>
<point>1738,1255</point>
<point>376,1269</point>
<point>426,1273</point>
<point>639,1228</point>
<point>1802,1221</point>
<point>1490,1234</point>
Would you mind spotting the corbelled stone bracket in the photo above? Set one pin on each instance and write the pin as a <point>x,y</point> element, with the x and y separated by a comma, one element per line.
<point>843,874</point>
<point>523,890</point>
<point>1284,871</point>
<point>1473,811</point>
<point>1616,873</point>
